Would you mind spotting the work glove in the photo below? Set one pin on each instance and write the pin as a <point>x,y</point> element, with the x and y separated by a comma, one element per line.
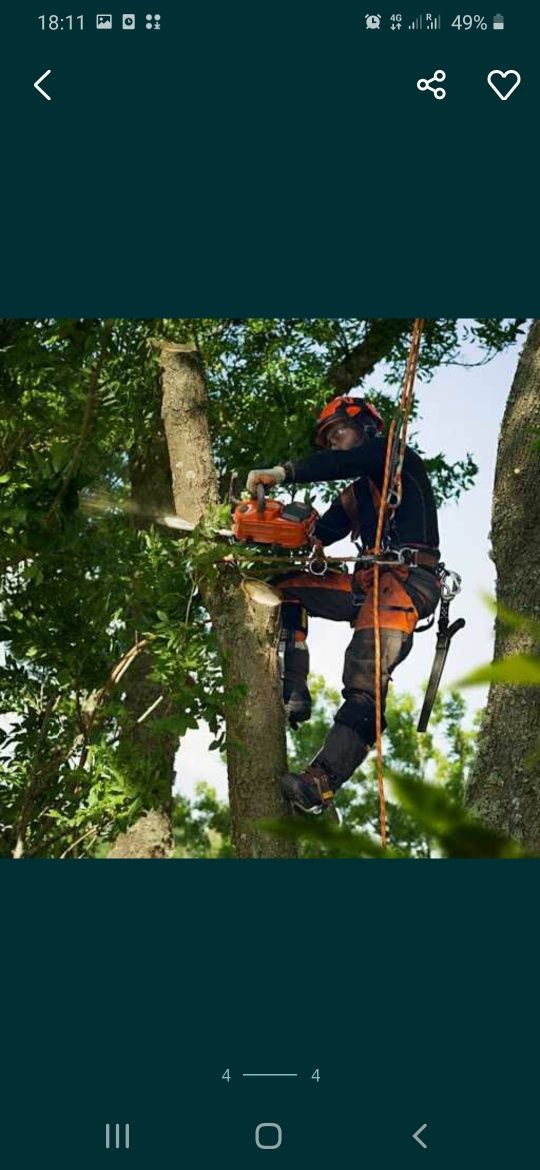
<point>266,475</point>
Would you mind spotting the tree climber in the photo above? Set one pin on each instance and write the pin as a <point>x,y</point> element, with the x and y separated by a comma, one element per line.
<point>349,430</point>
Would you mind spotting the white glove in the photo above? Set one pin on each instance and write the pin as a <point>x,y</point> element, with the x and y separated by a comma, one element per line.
<point>266,475</point>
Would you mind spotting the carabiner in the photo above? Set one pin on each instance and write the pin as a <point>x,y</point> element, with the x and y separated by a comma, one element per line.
<point>393,499</point>
<point>321,570</point>
<point>450,583</point>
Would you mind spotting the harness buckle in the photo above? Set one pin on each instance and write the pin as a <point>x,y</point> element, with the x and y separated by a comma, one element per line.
<point>387,559</point>
<point>408,556</point>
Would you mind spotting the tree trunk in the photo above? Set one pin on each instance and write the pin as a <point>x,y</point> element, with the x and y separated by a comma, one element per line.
<point>505,785</point>
<point>148,757</point>
<point>149,838</point>
<point>245,617</point>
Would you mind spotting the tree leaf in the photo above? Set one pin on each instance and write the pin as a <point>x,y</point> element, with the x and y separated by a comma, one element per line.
<point>517,670</point>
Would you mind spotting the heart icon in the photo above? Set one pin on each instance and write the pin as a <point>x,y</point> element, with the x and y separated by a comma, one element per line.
<point>500,73</point>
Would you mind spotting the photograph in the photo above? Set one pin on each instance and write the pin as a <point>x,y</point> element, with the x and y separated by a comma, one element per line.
<point>269,588</point>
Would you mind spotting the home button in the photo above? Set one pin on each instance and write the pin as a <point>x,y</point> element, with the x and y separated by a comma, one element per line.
<point>271,1140</point>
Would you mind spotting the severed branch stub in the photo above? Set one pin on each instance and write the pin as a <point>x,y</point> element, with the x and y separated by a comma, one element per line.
<point>260,593</point>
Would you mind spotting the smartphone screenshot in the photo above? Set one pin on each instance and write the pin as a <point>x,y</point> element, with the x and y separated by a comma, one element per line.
<point>269,587</point>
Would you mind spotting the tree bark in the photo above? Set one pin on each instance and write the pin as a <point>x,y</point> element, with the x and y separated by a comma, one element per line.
<point>150,838</point>
<point>245,617</point>
<point>505,784</point>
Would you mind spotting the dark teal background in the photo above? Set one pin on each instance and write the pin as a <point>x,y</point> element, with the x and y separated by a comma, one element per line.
<point>129,988</point>
<point>274,160</point>
<point>246,161</point>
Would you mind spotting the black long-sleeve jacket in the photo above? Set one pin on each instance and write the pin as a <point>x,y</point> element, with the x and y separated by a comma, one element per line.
<point>415,521</point>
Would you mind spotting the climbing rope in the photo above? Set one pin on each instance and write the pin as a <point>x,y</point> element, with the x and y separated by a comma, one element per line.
<point>390,501</point>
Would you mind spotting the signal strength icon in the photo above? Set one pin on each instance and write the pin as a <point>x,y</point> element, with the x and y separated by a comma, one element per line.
<point>431,22</point>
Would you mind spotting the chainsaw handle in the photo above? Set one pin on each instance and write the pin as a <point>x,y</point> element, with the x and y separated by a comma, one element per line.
<point>261,499</point>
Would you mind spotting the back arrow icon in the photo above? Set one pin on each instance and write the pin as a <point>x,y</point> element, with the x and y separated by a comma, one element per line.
<point>38,87</point>
<point>419,1139</point>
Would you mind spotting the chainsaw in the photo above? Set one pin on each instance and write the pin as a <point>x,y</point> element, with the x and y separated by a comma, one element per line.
<point>264,521</point>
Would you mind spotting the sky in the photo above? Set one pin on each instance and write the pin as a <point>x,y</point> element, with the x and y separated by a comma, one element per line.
<point>460,410</point>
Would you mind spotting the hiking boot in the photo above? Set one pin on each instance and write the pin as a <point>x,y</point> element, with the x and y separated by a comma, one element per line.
<point>298,707</point>
<point>309,791</point>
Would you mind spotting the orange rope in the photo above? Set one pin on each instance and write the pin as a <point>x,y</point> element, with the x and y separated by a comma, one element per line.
<point>405,406</point>
<point>378,704</point>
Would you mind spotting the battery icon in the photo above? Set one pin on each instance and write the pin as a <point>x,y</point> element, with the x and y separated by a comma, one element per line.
<point>498,20</point>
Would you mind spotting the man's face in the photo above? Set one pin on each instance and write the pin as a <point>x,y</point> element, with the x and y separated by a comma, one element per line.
<point>342,437</point>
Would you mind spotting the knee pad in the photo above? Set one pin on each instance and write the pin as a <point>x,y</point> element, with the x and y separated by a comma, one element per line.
<point>359,714</point>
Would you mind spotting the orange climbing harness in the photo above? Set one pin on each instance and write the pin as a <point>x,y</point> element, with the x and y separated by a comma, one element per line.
<point>390,500</point>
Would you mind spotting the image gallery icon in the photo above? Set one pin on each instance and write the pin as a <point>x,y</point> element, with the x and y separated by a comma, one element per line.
<point>103,20</point>
<point>128,20</point>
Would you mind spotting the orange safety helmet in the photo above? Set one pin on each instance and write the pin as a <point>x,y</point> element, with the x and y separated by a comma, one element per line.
<point>346,409</point>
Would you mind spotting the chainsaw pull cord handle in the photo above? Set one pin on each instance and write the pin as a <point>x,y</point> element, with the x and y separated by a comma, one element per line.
<point>261,499</point>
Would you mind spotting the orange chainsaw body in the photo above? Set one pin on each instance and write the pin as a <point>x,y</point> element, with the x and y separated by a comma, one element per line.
<point>287,525</point>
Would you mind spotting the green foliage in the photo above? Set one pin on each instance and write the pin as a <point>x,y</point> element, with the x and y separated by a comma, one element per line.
<point>268,379</point>
<point>515,669</point>
<point>518,670</point>
<point>321,837</point>
<point>81,587</point>
<point>202,826</point>
<point>456,832</point>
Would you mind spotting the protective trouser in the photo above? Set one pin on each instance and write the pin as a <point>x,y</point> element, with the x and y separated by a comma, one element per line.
<point>405,596</point>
